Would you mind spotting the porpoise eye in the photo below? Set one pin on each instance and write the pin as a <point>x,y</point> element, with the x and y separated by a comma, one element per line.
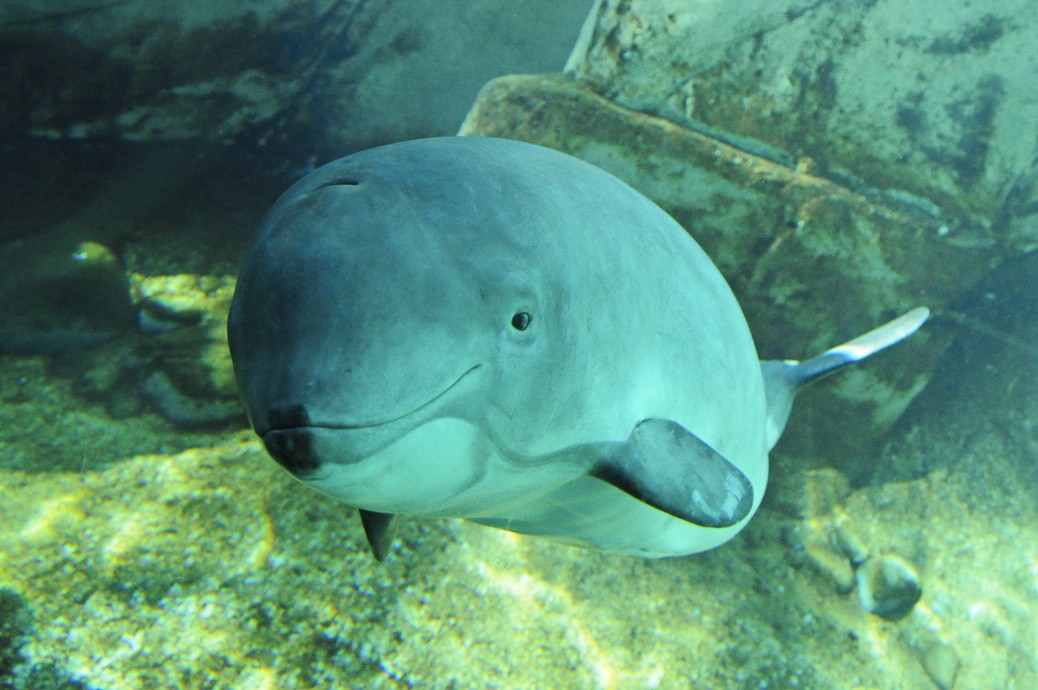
<point>521,320</point>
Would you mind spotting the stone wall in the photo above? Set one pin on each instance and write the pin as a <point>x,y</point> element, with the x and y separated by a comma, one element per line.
<point>930,103</point>
<point>321,76</point>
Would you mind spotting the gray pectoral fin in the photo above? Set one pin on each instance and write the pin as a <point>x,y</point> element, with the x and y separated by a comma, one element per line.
<point>671,469</point>
<point>378,528</point>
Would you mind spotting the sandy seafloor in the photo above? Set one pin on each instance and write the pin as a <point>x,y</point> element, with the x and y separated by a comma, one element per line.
<point>199,564</point>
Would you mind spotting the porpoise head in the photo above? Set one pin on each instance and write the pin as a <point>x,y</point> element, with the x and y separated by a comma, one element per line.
<point>384,331</point>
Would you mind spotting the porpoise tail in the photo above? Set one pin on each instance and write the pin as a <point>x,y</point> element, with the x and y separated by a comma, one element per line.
<point>783,378</point>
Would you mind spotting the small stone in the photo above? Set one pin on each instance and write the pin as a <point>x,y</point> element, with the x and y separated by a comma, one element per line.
<point>888,587</point>
<point>16,626</point>
<point>832,565</point>
<point>849,543</point>
<point>182,299</point>
<point>941,664</point>
<point>188,376</point>
<point>813,494</point>
<point>183,410</point>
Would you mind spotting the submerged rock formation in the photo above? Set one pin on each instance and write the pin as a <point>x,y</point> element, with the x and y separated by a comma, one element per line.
<point>318,77</point>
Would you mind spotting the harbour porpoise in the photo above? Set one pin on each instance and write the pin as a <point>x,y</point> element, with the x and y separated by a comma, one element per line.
<point>489,329</point>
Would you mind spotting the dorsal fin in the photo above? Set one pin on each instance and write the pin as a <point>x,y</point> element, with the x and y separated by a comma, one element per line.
<point>378,528</point>
<point>782,379</point>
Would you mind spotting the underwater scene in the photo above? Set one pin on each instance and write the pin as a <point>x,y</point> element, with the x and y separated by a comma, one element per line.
<point>452,344</point>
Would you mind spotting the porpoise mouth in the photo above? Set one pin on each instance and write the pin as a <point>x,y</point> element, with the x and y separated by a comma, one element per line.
<point>424,406</point>
<point>292,435</point>
<point>298,416</point>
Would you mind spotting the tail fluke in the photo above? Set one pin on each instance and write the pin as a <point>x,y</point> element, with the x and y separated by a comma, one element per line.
<point>782,379</point>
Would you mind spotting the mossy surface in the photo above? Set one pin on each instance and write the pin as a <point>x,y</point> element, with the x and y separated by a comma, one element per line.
<point>212,568</point>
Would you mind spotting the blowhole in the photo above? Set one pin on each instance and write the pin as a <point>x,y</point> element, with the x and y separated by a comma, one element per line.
<point>348,182</point>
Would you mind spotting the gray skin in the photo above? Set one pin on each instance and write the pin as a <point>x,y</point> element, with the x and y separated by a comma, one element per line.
<point>488,329</point>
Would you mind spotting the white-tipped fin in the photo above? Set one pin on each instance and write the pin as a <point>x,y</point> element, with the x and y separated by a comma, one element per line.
<point>782,379</point>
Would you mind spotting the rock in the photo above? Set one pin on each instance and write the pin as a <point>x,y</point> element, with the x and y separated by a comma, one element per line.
<point>941,664</point>
<point>183,409</point>
<point>814,494</point>
<point>821,535</point>
<point>890,96</point>
<point>177,361</point>
<point>59,293</point>
<point>16,624</point>
<point>888,587</point>
<point>830,546</point>
<point>267,72</point>
<point>185,367</point>
<point>167,302</point>
<point>847,541</point>
<point>832,564</point>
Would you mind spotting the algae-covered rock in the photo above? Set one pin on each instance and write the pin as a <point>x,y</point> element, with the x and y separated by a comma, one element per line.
<point>59,293</point>
<point>888,587</point>
<point>270,72</point>
<point>176,361</point>
<point>932,101</point>
<point>168,301</point>
<point>16,623</point>
<point>187,316</point>
<point>184,364</point>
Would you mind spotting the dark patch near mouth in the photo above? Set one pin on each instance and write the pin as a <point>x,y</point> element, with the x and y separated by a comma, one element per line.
<point>288,417</point>
<point>293,449</point>
<point>290,433</point>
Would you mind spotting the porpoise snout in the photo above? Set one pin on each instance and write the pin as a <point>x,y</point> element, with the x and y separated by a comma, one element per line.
<point>294,449</point>
<point>289,440</point>
<point>286,416</point>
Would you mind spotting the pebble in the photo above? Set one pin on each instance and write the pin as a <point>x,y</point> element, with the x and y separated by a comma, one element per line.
<point>182,410</point>
<point>941,664</point>
<point>832,565</point>
<point>888,587</point>
<point>849,543</point>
